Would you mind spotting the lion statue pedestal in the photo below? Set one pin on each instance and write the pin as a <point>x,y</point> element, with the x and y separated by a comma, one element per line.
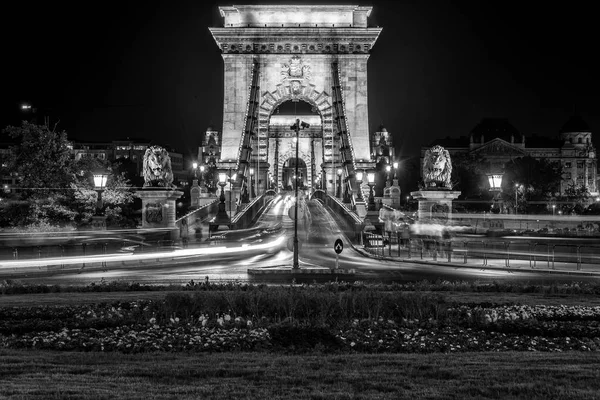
<point>436,194</point>
<point>158,194</point>
<point>158,207</point>
<point>435,204</point>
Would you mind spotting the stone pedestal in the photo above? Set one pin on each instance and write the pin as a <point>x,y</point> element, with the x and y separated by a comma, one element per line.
<point>391,195</point>
<point>435,204</point>
<point>158,207</point>
<point>99,222</point>
<point>195,194</point>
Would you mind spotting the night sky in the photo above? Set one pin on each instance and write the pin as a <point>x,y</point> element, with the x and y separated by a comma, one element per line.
<point>111,70</point>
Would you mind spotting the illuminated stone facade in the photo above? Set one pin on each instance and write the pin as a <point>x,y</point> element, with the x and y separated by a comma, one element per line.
<point>312,54</point>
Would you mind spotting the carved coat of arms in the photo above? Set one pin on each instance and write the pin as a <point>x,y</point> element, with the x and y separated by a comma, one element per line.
<point>295,72</point>
<point>154,212</point>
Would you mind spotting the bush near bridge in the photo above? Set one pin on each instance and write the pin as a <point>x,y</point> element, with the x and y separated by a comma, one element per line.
<point>335,317</point>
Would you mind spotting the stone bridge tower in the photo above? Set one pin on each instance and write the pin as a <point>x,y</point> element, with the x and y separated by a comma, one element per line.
<point>312,62</point>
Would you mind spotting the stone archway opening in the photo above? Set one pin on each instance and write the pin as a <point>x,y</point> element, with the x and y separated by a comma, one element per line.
<point>282,142</point>
<point>295,108</point>
<point>289,177</point>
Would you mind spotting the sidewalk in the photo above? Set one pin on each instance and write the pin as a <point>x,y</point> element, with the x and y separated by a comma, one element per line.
<point>543,265</point>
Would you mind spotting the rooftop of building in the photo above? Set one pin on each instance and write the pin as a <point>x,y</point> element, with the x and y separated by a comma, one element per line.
<point>492,128</point>
<point>575,124</point>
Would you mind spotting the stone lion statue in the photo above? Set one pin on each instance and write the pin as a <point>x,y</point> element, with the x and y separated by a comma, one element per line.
<point>437,168</point>
<point>157,168</point>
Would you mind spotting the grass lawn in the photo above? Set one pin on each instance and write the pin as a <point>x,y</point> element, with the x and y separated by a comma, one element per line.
<point>26,374</point>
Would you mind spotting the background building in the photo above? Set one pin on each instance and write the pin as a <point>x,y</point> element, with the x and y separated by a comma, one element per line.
<point>497,142</point>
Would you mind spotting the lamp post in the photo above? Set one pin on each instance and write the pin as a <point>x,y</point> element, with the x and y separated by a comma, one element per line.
<point>221,218</point>
<point>339,186</point>
<point>251,180</point>
<point>371,182</point>
<point>202,168</point>
<point>553,209</point>
<point>517,186</point>
<point>296,127</point>
<point>231,179</point>
<point>388,168</point>
<point>100,178</point>
<point>495,181</point>
<point>195,168</point>
<point>395,169</point>
<point>99,219</point>
<point>359,179</point>
<point>222,183</point>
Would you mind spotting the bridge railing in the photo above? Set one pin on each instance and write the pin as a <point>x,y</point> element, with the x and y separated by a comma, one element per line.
<point>548,255</point>
<point>195,219</point>
<point>353,223</point>
<point>250,212</point>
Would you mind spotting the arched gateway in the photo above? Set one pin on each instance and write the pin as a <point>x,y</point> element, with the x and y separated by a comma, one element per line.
<point>283,63</point>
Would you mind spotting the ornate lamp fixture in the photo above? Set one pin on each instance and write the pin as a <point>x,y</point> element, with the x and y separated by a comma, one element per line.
<point>252,195</point>
<point>359,179</point>
<point>339,180</point>
<point>495,181</point>
<point>371,182</point>
<point>100,178</point>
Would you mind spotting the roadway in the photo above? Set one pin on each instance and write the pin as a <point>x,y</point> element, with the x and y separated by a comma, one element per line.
<point>229,256</point>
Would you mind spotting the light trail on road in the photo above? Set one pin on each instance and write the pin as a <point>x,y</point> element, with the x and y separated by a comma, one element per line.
<point>233,252</point>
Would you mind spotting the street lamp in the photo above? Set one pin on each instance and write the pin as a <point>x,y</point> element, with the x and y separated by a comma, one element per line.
<point>388,168</point>
<point>339,188</point>
<point>222,217</point>
<point>495,181</point>
<point>251,186</point>
<point>100,178</point>
<point>202,167</point>
<point>371,182</point>
<point>222,183</point>
<point>296,127</point>
<point>517,186</point>
<point>359,179</point>
<point>395,169</point>
<point>553,209</point>
<point>99,184</point>
<point>195,168</point>
<point>99,219</point>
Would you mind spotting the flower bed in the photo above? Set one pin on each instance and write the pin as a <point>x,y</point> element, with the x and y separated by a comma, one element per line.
<point>213,322</point>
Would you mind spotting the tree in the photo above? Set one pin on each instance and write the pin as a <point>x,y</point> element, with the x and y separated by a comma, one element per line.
<point>54,189</point>
<point>42,159</point>
<point>537,182</point>
<point>575,199</point>
<point>468,176</point>
<point>42,162</point>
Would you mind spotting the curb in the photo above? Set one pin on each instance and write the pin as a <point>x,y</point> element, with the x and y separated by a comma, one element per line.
<point>287,270</point>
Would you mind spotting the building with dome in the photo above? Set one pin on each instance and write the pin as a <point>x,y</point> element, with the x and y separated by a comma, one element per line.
<point>497,141</point>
